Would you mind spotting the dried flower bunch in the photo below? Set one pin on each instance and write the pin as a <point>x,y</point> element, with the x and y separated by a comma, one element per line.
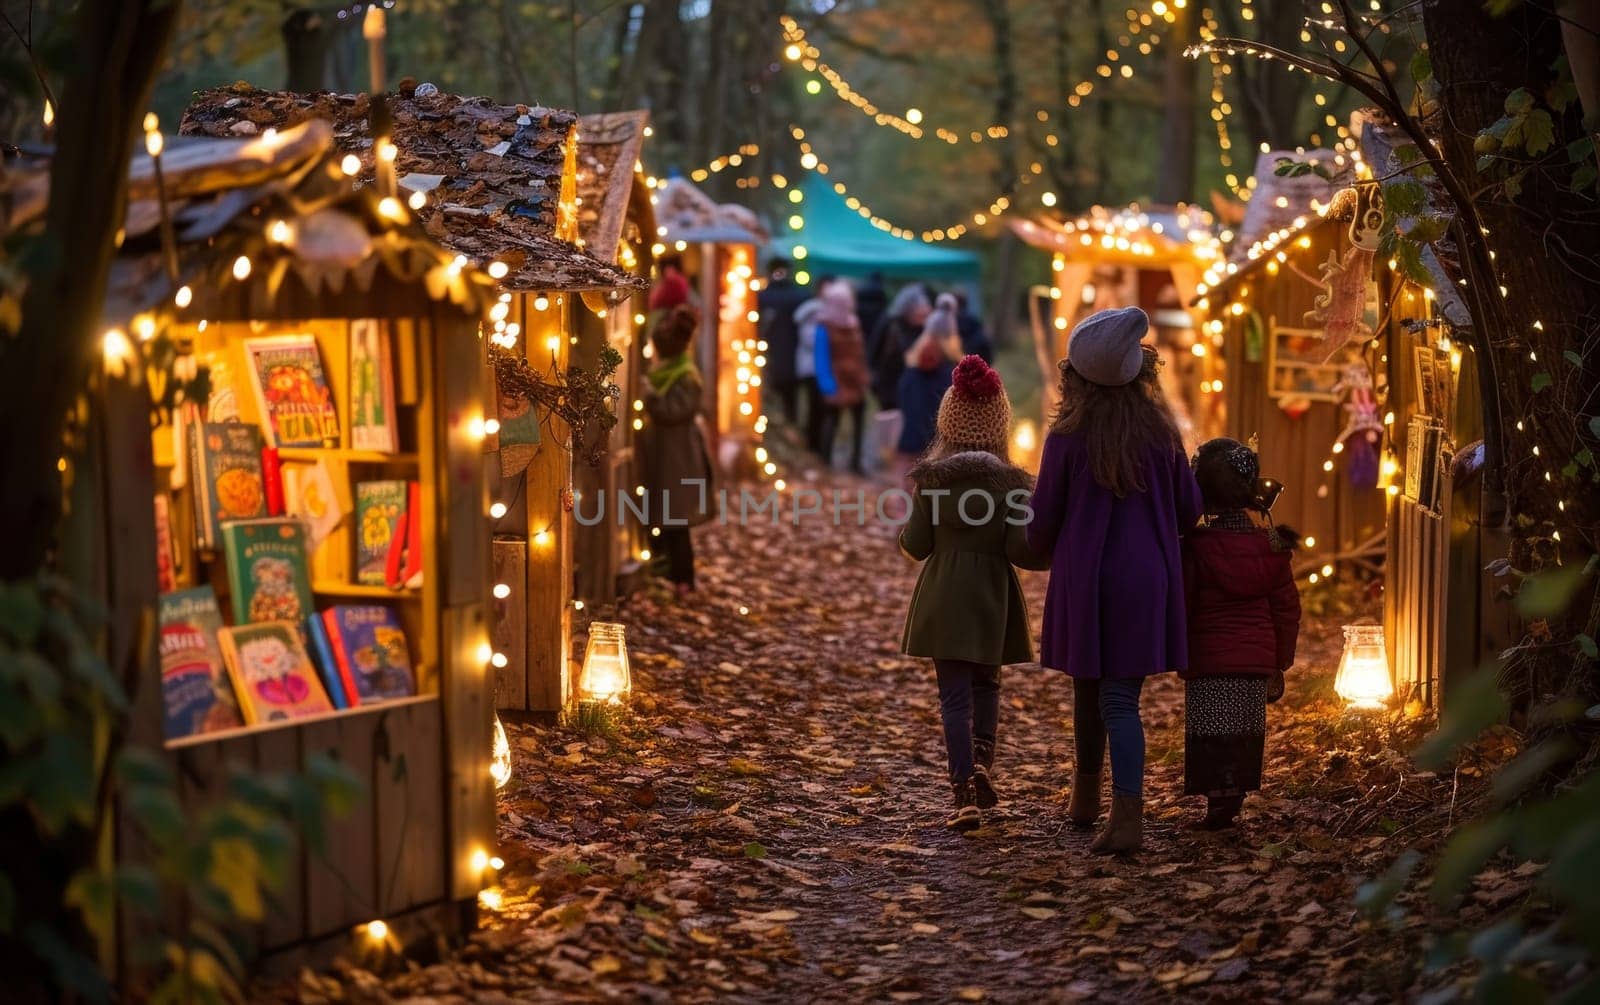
<point>584,400</point>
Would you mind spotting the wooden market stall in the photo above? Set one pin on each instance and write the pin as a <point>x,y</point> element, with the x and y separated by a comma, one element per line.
<point>1150,258</point>
<point>616,222</point>
<point>497,185</point>
<point>296,549</point>
<point>1354,375</point>
<point>716,244</point>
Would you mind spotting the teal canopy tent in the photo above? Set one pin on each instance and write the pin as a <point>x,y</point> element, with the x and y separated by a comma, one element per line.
<point>839,241</point>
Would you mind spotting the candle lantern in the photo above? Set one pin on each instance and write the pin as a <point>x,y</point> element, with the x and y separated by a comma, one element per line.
<point>605,664</point>
<point>1363,680</point>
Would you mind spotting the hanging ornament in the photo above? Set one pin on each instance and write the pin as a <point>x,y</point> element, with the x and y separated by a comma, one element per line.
<point>1341,307</point>
<point>1362,429</point>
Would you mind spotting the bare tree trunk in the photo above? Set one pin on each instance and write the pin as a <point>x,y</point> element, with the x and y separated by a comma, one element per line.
<point>1062,159</point>
<point>1104,139</point>
<point>1002,308</point>
<point>1176,180</point>
<point>622,34</point>
<point>306,44</point>
<point>1546,257</point>
<point>102,101</point>
<point>1269,97</point>
<point>656,73</point>
<point>121,44</point>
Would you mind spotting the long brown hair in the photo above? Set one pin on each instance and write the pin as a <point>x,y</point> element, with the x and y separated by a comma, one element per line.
<point>1121,424</point>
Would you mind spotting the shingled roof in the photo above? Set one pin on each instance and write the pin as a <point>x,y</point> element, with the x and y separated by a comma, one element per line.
<point>281,202</point>
<point>498,178</point>
<point>608,148</point>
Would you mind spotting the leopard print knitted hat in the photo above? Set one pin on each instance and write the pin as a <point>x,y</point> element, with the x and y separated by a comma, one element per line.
<point>975,413</point>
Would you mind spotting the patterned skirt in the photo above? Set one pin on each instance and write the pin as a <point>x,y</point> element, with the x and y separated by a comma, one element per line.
<point>1224,731</point>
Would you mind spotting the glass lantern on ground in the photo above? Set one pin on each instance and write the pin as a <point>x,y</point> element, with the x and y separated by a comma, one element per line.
<point>1363,680</point>
<point>605,678</point>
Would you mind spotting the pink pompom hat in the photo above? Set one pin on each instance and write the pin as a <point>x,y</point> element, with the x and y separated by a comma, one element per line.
<point>975,413</point>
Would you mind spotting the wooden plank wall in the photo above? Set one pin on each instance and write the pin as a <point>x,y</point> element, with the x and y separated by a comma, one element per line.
<point>1294,448</point>
<point>548,529</point>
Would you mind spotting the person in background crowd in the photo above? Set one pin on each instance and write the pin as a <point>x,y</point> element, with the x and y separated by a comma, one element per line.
<point>1244,620</point>
<point>871,301</point>
<point>674,463</point>
<point>841,369</point>
<point>968,612</point>
<point>805,365</point>
<point>900,325</point>
<point>928,362</point>
<point>777,304</point>
<point>886,359</point>
<point>974,336</point>
<point>1115,494</point>
<point>672,286</point>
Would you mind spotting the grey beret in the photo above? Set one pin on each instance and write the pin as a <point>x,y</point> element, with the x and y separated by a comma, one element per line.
<point>1104,348</point>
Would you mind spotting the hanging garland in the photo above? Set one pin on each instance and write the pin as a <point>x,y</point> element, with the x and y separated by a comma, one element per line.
<point>586,401</point>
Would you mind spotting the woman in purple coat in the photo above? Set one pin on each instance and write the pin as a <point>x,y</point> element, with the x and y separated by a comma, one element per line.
<point>1114,493</point>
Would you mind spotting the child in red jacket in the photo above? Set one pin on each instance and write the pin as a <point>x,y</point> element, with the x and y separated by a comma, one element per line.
<point>1244,617</point>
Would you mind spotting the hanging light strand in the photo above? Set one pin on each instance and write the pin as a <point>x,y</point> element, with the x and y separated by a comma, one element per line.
<point>810,161</point>
<point>798,49</point>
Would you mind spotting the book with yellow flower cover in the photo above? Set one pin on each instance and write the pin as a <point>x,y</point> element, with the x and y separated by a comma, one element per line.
<point>380,506</point>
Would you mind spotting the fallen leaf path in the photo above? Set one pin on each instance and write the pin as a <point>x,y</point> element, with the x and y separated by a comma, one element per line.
<point>765,824</point>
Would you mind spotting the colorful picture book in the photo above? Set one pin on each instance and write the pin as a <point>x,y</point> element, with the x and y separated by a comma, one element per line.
<point>372,419</point>
<point>228,484</point>
<point>267,571</point>
<point>195,691</point>
<point>327,666</point>
<point>380,510</point>
<point>370,649</point>
<point>271,673</point>
<point>311,495</point>
<point>292,390</point>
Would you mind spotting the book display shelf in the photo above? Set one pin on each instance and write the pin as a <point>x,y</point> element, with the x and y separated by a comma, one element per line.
<point>273,547</point>
<point>334,538</point>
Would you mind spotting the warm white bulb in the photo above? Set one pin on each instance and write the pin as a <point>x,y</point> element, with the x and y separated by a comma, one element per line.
<point>241,267</point>
<point>502,591</point>
<point>497,510</point>
<point>351,164</point>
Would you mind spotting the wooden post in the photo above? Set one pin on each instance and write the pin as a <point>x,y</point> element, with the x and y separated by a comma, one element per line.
<point>549,527</point>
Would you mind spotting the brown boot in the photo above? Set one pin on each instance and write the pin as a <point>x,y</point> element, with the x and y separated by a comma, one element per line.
<point>1084,807</point>
<point>966,816</point>
<point>983,774</point>
<point>1222,812</point>
<point>1124,831</point>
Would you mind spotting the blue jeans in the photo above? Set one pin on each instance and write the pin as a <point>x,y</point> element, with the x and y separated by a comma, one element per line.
<point>1108,709</point>
<point>969,705</point>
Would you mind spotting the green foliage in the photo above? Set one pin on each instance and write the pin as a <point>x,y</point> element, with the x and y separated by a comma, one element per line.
<point>1543,814</point>
<point>59,710</point>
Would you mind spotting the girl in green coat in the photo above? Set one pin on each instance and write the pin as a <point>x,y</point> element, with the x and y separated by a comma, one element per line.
<point>969,522</point>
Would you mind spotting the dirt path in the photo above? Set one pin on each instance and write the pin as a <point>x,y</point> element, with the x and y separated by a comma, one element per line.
<point>766,825</point>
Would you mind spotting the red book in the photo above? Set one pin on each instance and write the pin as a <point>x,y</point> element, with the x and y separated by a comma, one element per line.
<point>330,621</point>
<point>272,480</point>
<point>394,565</point>
<point>412,576</point>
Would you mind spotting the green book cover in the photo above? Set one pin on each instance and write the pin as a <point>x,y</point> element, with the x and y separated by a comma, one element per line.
<point>378,509</point>
<point>227,483</point>
<point>267,570</point>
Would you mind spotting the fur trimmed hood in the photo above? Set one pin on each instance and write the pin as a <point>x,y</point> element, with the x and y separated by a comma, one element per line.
<point>971,467</point>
